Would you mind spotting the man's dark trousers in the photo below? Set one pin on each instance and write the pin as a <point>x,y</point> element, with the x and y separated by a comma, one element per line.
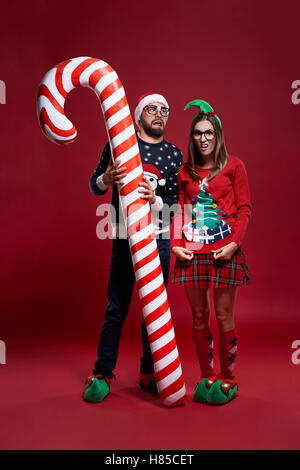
<point>119,292</point>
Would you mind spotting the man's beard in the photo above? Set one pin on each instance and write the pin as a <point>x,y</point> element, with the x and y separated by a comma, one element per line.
<point>150,131</point>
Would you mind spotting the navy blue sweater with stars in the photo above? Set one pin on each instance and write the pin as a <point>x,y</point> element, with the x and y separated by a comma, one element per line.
<point>160,162</point>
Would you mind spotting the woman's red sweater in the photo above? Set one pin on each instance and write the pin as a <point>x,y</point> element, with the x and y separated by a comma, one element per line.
<point>216,213</point>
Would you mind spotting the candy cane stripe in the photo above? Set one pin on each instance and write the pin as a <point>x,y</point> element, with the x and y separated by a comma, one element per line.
<point>167,361</point>
<point>120,126</point>
<point>113,99</point>
<point>147,268</point>
<point>172,388</point>
<point>143,252</point>
<point>157,313</point>
<point>173,395</point>
<point>59,78</point>
<point>124,146</point>
<point>174,376</point>
<point>163,349</point>
<point>160,326</point>
<point>138,226</point>
<point>76,74</point>
<point>98,75</point>
<point>122,136</point>
<point>110,87</point>
<point>148,298</point>
<point>155,303</point>
<point>132,173</point>
<point>142,262</point>
<point>84,77</point>
<point>164,341</point>
<point>55,130</point>
<point>164,373</point>
<point>152,285</point>
<point>115,108</point>
<point>45,92</point>
<point>117,117</point>
<point>130,195</point>
<point>176,398</point>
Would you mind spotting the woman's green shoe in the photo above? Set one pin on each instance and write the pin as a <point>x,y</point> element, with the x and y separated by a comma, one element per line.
<point>222,391</point>
<point>202,389</point>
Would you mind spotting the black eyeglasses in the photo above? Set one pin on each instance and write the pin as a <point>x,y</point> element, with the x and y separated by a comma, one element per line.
<point>209,134</point>
<point>152,109</point>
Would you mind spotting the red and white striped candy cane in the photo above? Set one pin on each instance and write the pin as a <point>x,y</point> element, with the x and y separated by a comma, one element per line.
<point>100,77</point>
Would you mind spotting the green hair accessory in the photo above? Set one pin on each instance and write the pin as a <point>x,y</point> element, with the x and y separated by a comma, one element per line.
<point>204,108</point>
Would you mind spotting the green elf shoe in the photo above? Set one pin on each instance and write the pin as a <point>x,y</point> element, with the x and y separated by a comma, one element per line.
<point>222,391</point>
<point>97,388</point>
<point>147,383</point>
<point>202,389</point>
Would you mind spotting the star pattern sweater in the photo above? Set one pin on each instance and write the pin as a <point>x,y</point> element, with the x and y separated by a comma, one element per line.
<point>162,161</point>
<point>216,212</point>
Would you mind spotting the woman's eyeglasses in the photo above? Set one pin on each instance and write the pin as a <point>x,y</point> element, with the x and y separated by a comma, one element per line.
<point>209,134</point>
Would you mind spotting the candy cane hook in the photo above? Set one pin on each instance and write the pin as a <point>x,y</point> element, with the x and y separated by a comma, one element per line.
<point>101,77</point>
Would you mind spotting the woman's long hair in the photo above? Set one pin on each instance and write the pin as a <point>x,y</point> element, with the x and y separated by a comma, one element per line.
<point>220,152</point>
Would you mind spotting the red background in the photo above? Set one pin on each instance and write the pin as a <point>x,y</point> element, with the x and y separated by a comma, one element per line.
<point>242,58</point>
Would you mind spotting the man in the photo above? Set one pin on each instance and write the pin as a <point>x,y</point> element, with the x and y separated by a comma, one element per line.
<point>160,160</point>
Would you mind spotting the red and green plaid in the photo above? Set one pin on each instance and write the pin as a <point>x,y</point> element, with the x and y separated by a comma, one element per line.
<point>204,271</point>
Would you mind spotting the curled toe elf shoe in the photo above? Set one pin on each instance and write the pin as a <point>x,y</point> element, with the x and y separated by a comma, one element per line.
<point>97,388</point>
<point>202,389</point>
<point>222,391</point>
<point>147,383</point>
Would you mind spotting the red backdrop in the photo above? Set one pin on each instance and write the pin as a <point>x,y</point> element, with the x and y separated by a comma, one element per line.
<point>240,57</point>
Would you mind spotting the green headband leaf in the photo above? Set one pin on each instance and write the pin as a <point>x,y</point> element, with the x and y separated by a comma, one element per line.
<point>204,107</point>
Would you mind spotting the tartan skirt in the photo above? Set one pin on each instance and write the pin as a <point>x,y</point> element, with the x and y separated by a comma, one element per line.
<point>205,271</point>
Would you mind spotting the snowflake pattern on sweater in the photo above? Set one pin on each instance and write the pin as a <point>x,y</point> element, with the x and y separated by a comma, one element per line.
<point>162,161</point>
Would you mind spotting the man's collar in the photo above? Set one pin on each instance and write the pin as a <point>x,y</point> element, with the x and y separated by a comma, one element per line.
<point>149,143</point>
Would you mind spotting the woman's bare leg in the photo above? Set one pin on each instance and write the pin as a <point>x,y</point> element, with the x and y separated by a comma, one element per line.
<point>224,301</point>
<point>199,303</point>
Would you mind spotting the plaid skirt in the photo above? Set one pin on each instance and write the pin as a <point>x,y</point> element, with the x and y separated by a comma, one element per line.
<point>204,271</point>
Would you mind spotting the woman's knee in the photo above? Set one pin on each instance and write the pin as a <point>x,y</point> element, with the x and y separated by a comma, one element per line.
<point>201,317</point>
<point>224,317</point>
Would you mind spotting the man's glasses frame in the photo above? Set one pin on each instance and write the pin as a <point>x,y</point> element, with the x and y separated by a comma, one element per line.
<point>153,109</point>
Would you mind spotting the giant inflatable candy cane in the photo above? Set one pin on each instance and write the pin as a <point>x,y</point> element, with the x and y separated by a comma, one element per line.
<point>100,77</point>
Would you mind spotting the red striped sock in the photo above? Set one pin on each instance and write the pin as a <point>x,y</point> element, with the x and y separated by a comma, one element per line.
<point>204,348</point>
<point>227,352</point>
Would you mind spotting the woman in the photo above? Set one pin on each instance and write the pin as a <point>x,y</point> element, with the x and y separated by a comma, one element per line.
<point>213,189</point>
